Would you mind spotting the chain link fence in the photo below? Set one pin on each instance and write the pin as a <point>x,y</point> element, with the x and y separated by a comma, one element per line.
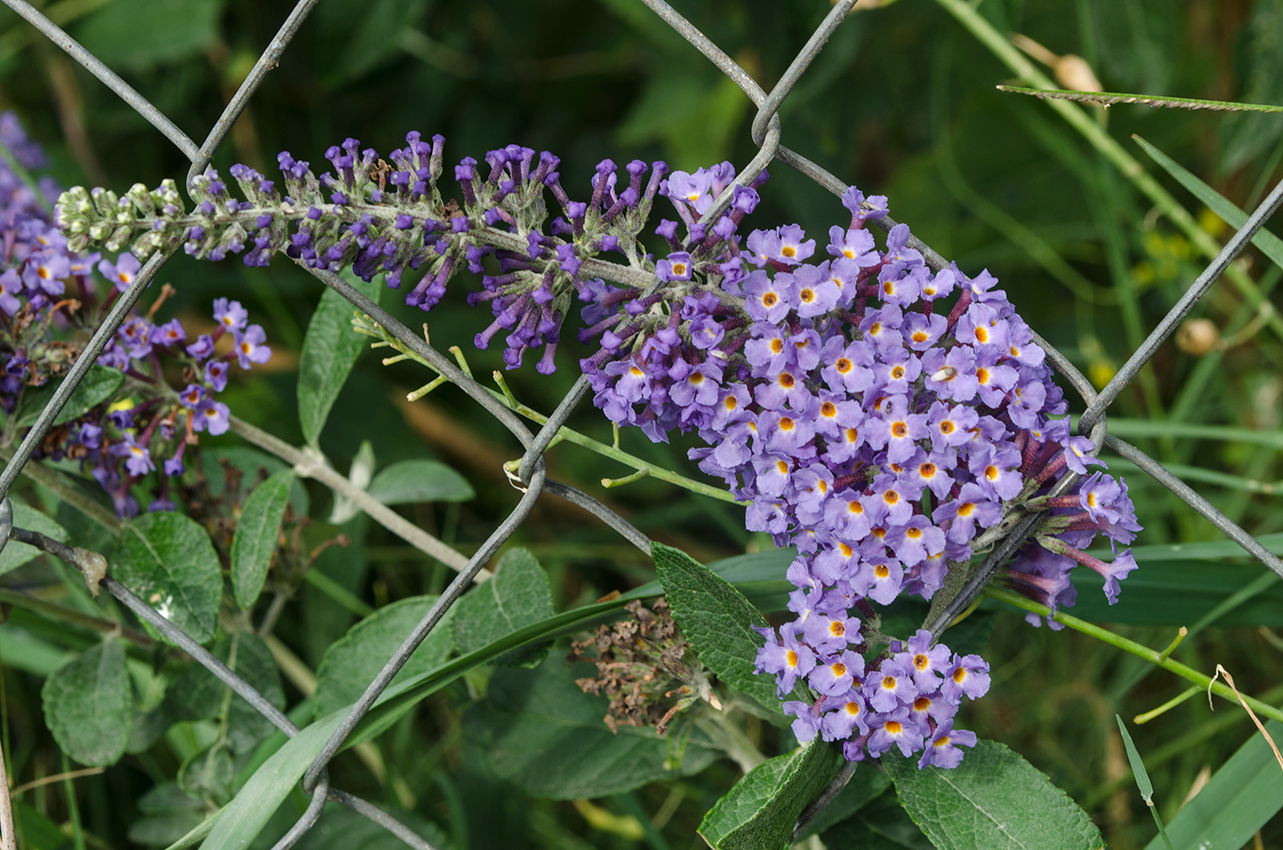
<point>530,476</point>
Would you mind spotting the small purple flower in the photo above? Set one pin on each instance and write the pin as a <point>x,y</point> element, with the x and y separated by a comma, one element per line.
<point>837,674</point>
<point>122,272</point>
<point>890,686</point>
<point>212,416</point>
<point>927,662</point>
<point>942,750</point>
<point>137,458</point>
<point>787,660</point>
<point>202,348</point>
<point>807,722</point>
<point>968,674</point>
<point>847,714</point>
<point>216,374</point>
<point>894,729</point>
<point>169,334</point>
<point>251,346</point>
<point>232,317</point>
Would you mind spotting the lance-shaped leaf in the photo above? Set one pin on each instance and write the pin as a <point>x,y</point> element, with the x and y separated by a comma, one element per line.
<point>759,813</point>
<point>994,799</point>
<point>330,348</point>
<point>717,620</point>
<point>420,481</point>
<point>257,532</point>
<point>99,384</point>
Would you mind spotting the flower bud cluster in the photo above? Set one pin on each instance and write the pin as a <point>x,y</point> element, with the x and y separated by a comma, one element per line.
<point>50,303</point>
<point>390,218</point>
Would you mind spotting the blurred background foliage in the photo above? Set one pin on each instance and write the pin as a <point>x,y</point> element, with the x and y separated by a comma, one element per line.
<point>901,102</point>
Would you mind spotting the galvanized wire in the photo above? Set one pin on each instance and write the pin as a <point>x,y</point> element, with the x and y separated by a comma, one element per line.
<point>766,131</point>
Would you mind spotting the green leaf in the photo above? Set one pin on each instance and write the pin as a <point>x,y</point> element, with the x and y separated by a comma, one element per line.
<point>254,663</point>
<point>99,384</point>
<point>546,736</point>
<point>994,799</point>
<point>167,559</point>
<point>717,620</point>
<point>759,813</point>
<point>1240,798</point>
<point>420,481</point>
<point>257,532</point>
<point>330,349</point>
<point>1139,773</point>
<point>518,595</point>
<point>196,694</point>
<point>88,705</point>
<point>352,661</point>
<point>16,554</point>
<point>137,35</point>
<point>209,774</point>
<point>1269,244</point>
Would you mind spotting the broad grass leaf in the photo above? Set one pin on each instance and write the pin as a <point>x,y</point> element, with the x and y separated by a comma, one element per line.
<point>88,705</point>
<point>257,533</point>
<point>717,620</point>
<point>546,736</point>
<point>994,799</point>
<point>353,661</point>
<point>759,813</point>
<point>419,481</point>
<point>168,560</point>
<point>519,595</point>
<point>1240,798</point>
<point>330,349</point>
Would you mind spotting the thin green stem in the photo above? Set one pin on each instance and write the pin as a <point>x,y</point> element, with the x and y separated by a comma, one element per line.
<point>1151,655</point>
<point>504,396</point>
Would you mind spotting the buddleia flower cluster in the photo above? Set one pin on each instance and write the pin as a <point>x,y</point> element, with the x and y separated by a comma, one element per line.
<point>132,428</point>
<point>885,419</point>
